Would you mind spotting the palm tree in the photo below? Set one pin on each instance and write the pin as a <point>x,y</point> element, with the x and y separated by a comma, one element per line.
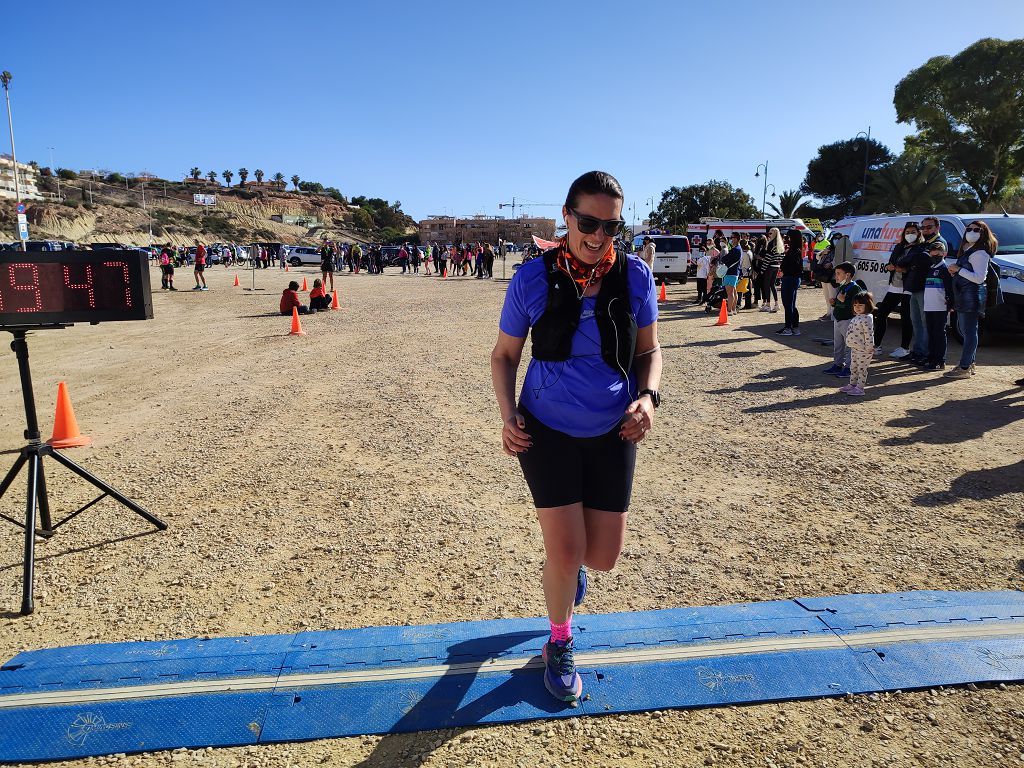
<point>228,175</point>
<point>910,185</point>
<point>243,174</point>
<point>195,173</point>
<point>279,179</point>
<point>212,176</point>
<point>259,177</point>
<point>789,203</point>
<point>295,181</point>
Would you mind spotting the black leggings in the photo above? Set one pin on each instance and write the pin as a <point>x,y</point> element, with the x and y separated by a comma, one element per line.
<point>768,284</point>
<point>882,312</point>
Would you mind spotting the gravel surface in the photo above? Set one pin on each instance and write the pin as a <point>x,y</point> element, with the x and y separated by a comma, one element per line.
<point>354,477</point>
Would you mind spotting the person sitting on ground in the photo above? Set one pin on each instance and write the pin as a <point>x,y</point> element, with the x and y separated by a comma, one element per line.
<point>842,313</point>
<point>290,300</point>
<point>319,298</point>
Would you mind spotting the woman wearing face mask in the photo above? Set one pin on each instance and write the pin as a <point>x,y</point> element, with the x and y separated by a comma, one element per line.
<point>792,267</point>
<point>914,264</point>
<point>896,297</point>
<point>588,398</point>
<point>969,272</point>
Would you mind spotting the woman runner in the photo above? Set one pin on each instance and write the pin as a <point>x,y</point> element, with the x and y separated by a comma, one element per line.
<point>587,400</point>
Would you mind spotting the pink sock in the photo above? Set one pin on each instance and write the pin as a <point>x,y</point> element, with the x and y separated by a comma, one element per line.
<point>561,632</point>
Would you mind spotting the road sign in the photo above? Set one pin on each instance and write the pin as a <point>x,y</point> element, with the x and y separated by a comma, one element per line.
<point>198,199</point>
<point>22,219</point>
<point>21,207</point>
<point>22,230</point>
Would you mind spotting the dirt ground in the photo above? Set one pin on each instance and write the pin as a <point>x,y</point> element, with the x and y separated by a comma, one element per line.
<point>353,477</point>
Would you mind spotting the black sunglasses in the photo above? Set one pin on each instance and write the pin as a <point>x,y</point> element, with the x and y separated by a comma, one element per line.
<point>588,224</point>
<point>973,229</point>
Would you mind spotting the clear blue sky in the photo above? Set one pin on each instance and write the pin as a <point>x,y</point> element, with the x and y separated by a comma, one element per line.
<point>457,106</point>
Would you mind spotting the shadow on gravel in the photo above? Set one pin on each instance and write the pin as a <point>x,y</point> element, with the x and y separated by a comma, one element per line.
<point>959,420</point>
<point>442,706</point>
<point>980,484</point>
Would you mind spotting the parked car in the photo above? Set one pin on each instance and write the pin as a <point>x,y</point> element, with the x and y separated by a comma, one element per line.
<point>297,255</point>
<point>41,245</point>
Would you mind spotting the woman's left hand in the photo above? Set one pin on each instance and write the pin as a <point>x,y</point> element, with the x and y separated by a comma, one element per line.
<point>639,420</point>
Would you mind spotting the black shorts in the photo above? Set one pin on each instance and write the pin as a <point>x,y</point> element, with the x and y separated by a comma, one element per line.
<point>200,267</point>
<point>561,469</point>
<point>327,268</point>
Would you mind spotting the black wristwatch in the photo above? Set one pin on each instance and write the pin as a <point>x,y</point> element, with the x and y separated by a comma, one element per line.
<point>655,397</point>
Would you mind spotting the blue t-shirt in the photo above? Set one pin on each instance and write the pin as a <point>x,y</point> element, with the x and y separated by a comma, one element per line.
<point>581,396</point>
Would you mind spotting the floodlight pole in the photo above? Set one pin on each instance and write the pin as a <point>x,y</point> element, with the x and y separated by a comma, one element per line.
<point>5,79</point>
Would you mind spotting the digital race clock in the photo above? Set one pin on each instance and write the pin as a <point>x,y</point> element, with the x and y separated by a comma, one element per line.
<point>42,288</point>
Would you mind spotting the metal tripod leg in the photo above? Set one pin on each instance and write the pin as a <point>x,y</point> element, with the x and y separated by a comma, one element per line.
<point>13,473</point>
<point>44,503</point>
<point>28,574</point>
<point>86,475</point>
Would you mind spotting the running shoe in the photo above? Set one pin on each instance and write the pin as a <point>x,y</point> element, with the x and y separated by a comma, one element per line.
<point>844,373</point>
<point>855,391</point>
<point>197,288</point>
<point>878,350</point>
<point>581,586</point>
<point>833,369</point>
<point>786,332</point>
<point>560,675</point>
<point>899,353</point>
<point>846,390</point>
<point>796,331</point>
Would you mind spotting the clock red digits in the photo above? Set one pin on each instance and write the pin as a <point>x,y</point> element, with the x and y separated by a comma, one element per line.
<point>38,305</point>
<point>87,285</point>
<point>127,282</point>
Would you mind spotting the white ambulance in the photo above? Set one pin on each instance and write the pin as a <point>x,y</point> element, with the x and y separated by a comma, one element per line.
<point>671,255</point>
<point>874,237</point>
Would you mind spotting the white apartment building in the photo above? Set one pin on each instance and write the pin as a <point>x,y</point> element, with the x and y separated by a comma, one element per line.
<point>27,178</point>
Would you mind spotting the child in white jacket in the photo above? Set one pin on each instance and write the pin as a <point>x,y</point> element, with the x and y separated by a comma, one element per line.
<point>860,338</point>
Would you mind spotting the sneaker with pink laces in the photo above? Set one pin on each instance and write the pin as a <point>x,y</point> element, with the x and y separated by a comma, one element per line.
<point>855,391</point>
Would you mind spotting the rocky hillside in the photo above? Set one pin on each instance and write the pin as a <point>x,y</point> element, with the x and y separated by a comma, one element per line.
<point>116,214</point>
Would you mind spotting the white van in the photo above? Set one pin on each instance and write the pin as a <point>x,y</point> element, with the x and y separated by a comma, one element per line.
<point>874,237</point>
<point>671,256</point>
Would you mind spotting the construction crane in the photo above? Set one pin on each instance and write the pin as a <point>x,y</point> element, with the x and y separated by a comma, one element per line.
<point>513,205</point>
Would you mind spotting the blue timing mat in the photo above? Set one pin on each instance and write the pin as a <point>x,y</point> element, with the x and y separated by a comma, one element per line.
<point>131,697</point>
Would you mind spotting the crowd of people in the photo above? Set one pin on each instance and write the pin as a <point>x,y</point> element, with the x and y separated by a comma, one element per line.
<point>754,272</point>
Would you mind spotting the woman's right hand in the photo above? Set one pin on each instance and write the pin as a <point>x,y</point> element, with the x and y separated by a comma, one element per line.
<point>514,439</point>
<point>890,268</point>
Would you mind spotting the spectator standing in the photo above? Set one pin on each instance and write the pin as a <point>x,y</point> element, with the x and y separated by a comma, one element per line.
<point>441,259</point>
<point>200,267</point>
<point>355,254</point>
<point>326,267</point>
<point>842,313</point>
<point>938,301</point>
<point>969,293</point>
<point>792,268</point>
<point>647,252</point>
<point>895,295</point>
<point>771,260</point>
<point>731,273</point>
<point>703,270</point>
<point>860,338</point>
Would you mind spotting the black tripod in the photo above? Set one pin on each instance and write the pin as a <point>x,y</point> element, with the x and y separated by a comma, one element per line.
<point>32,454</point>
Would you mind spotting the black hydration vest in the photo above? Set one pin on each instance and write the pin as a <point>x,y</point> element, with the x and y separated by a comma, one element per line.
<point>552,333</point>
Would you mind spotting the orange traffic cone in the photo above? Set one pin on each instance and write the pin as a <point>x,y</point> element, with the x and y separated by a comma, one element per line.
<point>296,325</point>
<point>65,427</point>
<point>334,301</point>
<point>723,314</point>
<point>444,275</point>
<point>236,281</point>
<point>287,267</point>
<point>662,296</point>
<point>304,285</point>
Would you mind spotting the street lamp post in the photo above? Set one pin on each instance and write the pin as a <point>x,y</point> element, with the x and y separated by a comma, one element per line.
<point>5,79</point>
<point>53,170</point>
<point>773,195</point>
<point>764,193</point>
<point>867,147</point>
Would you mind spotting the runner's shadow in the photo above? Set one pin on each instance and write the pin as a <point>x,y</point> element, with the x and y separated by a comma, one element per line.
<point>980,484</point>
<point>444,705</point>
